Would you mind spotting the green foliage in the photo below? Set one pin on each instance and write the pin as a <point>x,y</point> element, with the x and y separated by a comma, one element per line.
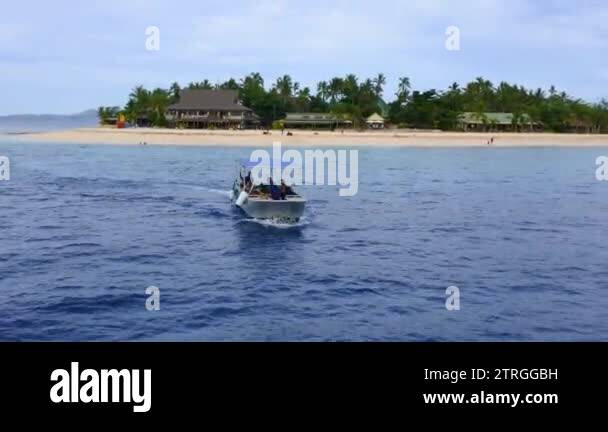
<point>557,112</point>
<point>202,85</point>
<point>354,99</point>
<point>278,124</point>
<point>150,105</point>
<point>107,113</point>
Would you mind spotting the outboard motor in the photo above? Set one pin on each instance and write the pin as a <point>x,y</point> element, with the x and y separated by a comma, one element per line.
<point>242,198</point>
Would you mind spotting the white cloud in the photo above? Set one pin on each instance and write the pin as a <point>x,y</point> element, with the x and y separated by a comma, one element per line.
<point>526,41</point>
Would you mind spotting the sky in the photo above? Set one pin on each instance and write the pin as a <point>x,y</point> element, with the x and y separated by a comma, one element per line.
<point>66,56</point>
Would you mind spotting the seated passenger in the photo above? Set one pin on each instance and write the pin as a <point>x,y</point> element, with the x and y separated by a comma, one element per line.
<point>275,192</point>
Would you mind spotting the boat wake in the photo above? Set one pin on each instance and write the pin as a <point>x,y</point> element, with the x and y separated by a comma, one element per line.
<point>278,224</point>
<point>225,193</point>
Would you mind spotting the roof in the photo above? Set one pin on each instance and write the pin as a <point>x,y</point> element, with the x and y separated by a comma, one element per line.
<point>197,99</point>
<point>375,118</point>
<point>492,118</point>
<point>249,164</point>
<point>317,118</point>
<point>309,116</point>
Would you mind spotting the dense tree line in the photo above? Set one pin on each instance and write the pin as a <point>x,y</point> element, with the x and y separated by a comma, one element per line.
<point>353,99</point>
<point>557,111</point>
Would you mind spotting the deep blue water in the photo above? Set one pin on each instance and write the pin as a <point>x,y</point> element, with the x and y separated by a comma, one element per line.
<point>85,229</point>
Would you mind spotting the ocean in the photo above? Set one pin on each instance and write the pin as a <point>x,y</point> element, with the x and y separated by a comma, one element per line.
<point>29,123</point>
<point>521,232</point>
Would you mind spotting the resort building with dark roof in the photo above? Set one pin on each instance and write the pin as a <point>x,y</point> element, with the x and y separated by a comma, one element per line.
<point>503,122</point>
<point>314,121</point>
<point>201,109</point>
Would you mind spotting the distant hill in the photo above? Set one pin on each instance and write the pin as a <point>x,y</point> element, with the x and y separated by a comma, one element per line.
<point>20,123</point>
<point>88,114</point>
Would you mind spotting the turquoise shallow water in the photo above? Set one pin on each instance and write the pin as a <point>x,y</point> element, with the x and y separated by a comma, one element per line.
<point>521,232</point>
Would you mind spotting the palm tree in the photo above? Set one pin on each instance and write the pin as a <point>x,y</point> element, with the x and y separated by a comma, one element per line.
<point>284,86</point>
<point>350,87</point>
<point>139,94</point>
<point>552,90</point>
<point>202,85</point>
<point>256,77</point>
<point>403,89</point>
<point>305,92</point>
<point>336,87</point>
<point>175,91</point>
<point>231,84</point>
<point>379,83</point>
<point>102,114</point>
<point>139,103</point>
<point>158,102</point>
<point>539,94</point>
<point>323,90</point>
<point>303,99</point>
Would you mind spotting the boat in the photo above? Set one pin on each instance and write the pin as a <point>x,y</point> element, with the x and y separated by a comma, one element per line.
<point>265,201</point>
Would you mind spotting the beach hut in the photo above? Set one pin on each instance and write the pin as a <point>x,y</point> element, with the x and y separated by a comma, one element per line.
<point>375,121</point>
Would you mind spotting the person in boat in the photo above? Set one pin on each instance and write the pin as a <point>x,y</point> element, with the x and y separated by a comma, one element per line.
<point>275,192</point>
<point>283,190</point>
<point>247,182</point>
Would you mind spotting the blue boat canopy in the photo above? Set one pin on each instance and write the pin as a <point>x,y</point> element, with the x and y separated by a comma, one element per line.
<point>247,164</point>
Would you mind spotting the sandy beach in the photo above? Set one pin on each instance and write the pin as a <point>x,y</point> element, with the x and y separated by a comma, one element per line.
<point>250,138</point>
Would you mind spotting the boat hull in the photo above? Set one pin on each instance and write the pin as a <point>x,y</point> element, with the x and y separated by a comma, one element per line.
<point>288,209</point>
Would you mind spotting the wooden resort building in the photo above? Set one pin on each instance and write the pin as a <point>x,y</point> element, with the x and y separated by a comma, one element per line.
<point>203,109</point>
<point>315,121</point>
<point>498,122</point>
<point>375,121</point>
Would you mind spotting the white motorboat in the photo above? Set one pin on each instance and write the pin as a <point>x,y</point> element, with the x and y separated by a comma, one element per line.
<point>266,201</point>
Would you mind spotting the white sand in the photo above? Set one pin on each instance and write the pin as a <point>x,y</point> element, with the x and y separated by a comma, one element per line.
<point>396,138</point>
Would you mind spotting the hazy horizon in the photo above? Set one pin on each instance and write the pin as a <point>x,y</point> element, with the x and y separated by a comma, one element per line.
<point>71,114</point>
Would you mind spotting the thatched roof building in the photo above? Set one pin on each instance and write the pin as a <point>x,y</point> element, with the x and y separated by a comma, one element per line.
<point>198,108</point>
<point>375,121</point>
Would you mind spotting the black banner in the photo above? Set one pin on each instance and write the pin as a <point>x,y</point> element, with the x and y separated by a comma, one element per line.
<point>214,380</point>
